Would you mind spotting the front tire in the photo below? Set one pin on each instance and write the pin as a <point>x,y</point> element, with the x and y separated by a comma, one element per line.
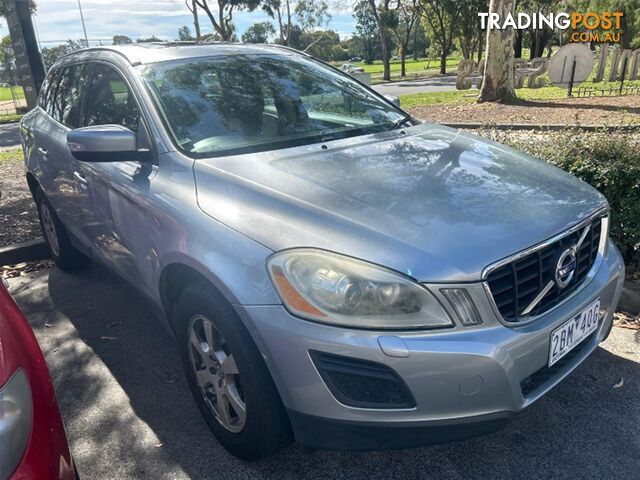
<point>63,253</point>
<point>227,375</point>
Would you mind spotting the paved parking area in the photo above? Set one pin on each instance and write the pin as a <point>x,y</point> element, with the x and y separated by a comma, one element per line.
<point>129,413</point>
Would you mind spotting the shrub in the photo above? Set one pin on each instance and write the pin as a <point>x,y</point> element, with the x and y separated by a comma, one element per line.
<point>608,161</point>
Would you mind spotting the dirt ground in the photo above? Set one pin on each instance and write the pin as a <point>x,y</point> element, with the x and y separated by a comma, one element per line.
<point>18,216</point>
<point>566,111</point>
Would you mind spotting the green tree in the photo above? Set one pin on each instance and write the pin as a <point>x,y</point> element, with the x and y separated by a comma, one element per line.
<point>420,41</point>
<point>50,55</point>
<point>121,40</point>
<point>184,34</point>
<point>151,39</point>
<point>366,32</point>
<point>385,19</point>
<point>222,20</point>
<point>441,18</point>
<point>406,14</point>
<point>468,33</point>
<point>3,12</point>
<point>281,11</point>
<point>321,44</point>
<point>630,22</point>
<point>539,38</point>
<point>7,61</point>
<point>259,33</point>
<point>313,17</point>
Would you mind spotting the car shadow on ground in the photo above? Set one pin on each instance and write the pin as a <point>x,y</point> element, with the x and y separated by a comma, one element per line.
<point>583,428</point>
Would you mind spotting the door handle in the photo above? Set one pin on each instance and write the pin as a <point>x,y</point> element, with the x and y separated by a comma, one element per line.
<point>80,178</point>
<point>43,152</point>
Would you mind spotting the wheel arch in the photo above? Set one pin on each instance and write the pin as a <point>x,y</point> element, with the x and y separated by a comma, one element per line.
<point>176,276</point>
<point>33,183</point>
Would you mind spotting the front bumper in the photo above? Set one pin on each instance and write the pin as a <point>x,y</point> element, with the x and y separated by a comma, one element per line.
<point>465,380</point>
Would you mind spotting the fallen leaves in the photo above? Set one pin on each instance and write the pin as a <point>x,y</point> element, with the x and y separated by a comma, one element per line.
<point>619,384</point>
<point>626,320</point>
<point>563,111</point>
<point>21,269</point>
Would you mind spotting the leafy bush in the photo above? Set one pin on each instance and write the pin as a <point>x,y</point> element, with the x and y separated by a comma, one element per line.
<point>608,161</point>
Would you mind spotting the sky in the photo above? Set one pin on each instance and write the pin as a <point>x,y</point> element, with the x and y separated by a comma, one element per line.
<point>59,20</point>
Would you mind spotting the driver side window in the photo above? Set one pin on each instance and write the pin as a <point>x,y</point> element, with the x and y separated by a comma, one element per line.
<point>110,100</point>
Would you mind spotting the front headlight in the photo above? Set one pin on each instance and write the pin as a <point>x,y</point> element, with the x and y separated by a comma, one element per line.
<point>331,288</point>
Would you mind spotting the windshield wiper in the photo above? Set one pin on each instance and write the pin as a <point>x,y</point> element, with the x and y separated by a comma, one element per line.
<point>399,123</point>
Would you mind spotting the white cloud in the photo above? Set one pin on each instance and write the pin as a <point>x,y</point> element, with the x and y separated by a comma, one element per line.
<point>59,20</point>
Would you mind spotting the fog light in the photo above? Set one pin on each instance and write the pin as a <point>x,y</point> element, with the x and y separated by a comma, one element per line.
<point>461,302</point>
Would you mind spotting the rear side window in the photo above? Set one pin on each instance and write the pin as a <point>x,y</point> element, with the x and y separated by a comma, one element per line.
<point>110,100</point>
<point>44,91</point>
<point>66,103</point>
<point>48,91</point>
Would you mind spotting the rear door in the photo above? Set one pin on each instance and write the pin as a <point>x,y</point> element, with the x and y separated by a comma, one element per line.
<point>63,182</point>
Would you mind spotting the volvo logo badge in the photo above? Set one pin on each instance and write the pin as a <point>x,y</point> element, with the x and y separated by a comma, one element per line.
<point>566,267</point>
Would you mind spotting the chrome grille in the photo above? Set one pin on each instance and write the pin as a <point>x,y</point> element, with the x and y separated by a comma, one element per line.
<point>515,285</point>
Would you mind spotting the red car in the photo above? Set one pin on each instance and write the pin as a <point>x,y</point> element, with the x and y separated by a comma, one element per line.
<point>33,443</point>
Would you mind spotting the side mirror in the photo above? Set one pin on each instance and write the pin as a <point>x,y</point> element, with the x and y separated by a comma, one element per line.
<point>105,143</point>
<point>393,99</point>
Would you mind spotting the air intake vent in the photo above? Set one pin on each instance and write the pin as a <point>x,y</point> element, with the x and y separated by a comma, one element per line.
<point>542,376</point>
<point>515,285</point>
<point>360,383</point>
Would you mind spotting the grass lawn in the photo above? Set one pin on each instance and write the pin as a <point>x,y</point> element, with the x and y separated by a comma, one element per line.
<point>420,68</point>
<point>10,118</point>
<point>411,65</point>
<point>11,156</point>
<point>457,97</point>
<point>5,93</point>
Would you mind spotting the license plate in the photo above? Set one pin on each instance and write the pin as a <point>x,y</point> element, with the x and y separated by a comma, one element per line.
<point>572,332</point>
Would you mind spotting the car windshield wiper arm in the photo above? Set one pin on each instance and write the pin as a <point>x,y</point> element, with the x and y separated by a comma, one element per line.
<point>399,123</point>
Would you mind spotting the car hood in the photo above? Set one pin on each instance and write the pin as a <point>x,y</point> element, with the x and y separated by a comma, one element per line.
<point>429,201</point>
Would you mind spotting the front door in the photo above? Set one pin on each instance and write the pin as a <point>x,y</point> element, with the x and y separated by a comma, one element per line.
<point>120,189</point>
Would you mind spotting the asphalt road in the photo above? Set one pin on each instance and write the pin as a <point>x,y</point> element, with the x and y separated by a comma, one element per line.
<point>9,136</point>
<point>437,84</point>
<point>129,413</point>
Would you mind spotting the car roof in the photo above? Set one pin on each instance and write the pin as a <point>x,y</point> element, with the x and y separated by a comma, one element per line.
<point>151,52</point>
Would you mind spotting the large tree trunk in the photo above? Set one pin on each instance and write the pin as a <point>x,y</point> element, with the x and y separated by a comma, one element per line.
<point>517,48</point>
<point>498,82</point>
<point>385,55</point>
<point>196,21</point>
<point>443,61</point>
<point>403,56</point>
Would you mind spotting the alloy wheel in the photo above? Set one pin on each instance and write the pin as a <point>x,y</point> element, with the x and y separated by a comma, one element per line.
<point>49,228</point>
<point>216,373</point>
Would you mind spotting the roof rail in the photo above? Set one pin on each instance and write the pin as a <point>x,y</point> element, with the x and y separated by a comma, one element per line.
<point>105,48</point>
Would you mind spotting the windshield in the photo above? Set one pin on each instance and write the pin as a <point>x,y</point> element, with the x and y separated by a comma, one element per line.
<point>259,102</point>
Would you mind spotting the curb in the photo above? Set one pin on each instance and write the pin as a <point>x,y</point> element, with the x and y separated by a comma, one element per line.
<point>521,126</point>
<point>24,252</point>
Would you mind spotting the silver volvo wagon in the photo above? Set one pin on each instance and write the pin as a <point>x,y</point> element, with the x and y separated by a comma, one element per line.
<point>333,269</point>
